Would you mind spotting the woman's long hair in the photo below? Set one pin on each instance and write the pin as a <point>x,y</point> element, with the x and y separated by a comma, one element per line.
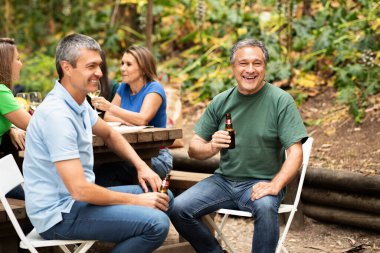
<point>7,51</point>
<point>145,60</point>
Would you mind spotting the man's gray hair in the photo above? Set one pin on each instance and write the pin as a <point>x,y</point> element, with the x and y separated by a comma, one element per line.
<point>249,43</point>
<point>69,47</point>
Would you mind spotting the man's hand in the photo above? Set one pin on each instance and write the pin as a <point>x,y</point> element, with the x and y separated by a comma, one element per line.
<point>155,200</point>
<point>220,140</point>
<point>17,137</point>
<point>262,189</point>
<point>146,174</point>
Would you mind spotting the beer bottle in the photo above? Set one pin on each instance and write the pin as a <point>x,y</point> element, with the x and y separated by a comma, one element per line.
<point>165,184</point>
<point>230,130</point>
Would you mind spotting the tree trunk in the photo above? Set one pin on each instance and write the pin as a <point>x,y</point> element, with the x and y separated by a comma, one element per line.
<point>343,216</point>
<point>149,25</point>
<point>346,200</point>
<point>306,10</point>
<point>343,180</point>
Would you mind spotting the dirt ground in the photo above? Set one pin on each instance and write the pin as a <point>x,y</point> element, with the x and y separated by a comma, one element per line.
<point>339,144</point>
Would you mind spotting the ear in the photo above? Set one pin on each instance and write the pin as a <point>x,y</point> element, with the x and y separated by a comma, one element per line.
<point>66,68</point>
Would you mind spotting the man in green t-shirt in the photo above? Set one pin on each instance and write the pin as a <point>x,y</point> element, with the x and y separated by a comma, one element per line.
<point>251,177</point>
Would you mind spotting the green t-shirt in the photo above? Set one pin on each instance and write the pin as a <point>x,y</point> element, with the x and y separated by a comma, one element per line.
<point>265,123</point>
<point>7,104</point>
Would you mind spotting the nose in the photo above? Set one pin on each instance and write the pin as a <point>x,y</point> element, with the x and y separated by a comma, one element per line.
<point>99,72</point>
<point>250,68</point>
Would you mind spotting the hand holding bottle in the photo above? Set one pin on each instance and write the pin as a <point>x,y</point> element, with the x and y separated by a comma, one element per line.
<point>220,140</point>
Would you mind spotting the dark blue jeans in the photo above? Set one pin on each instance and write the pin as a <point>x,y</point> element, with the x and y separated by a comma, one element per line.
<point>218,192</point>
<point>132,228</point>
<point>122,173</point>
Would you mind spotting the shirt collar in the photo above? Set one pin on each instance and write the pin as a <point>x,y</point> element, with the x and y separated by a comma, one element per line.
<point>63,93</point>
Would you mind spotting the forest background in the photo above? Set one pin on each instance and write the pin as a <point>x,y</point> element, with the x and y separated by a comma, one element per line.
<point>311,43</point>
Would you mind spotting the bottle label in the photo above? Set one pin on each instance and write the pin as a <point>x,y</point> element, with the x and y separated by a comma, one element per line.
<point>228,121</point>
<point>165,183</point>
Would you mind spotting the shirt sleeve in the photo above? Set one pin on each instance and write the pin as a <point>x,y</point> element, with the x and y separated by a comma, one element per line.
<point>8,102</point>
<point>290,125</point>
<point>60,138</point>
<point>156,87</point>
<point>208,123</point>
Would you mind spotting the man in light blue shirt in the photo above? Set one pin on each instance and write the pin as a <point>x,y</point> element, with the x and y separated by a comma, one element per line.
<point>62,200</point>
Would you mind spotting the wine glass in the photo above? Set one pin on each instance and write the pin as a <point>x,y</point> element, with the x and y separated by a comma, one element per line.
<point>95,94</point>
<point>35,99</point>
<point>26,97</point>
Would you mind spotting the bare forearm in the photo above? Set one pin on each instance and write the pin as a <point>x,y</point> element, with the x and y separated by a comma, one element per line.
<point>111,118</point>
<point>290,167</point>
<point>200,150</point>
<point>134,118</point>
<point>97,195</point>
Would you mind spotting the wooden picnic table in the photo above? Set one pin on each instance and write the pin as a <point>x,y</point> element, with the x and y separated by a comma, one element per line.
<point>147,143</point>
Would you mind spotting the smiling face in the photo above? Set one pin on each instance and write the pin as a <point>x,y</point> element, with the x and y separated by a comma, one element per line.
<point>16,66</point>
<point>130,70</point>
<point>85,76</point>
<point>249,69</point>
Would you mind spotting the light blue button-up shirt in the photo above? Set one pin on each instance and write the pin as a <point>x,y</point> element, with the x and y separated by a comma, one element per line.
<point>59,130</point>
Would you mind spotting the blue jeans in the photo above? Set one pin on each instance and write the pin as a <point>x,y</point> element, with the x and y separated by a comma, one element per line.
<point>218,192</point>
<point>132,228</point>
<point>122,173</point>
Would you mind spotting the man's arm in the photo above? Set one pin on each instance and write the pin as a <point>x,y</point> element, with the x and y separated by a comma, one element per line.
<point>287,172</point>
<point>201,149</point>
<point>121,147</point>
<point>71,172</point>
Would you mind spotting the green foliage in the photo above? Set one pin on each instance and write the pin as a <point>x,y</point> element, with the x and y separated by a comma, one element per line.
<point>192,39</point>
<point>38,73</point>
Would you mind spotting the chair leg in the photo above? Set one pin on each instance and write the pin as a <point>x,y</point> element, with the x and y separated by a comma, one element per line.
<point>84,247</point>
<point>224,220</point>
<point>280,245</point>
<point>220,233</point>
<point>64,248</point>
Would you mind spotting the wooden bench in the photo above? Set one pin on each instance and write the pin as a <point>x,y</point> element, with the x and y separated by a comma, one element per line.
<point>182,180</point>
<point>8,238</point>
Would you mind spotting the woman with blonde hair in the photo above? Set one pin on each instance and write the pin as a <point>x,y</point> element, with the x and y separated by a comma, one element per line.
<point>140,100</point>
<point>13,118</point>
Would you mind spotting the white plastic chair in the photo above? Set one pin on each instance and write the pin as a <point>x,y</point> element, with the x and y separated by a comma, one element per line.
<point>10,177</point>
<point>284,208</point>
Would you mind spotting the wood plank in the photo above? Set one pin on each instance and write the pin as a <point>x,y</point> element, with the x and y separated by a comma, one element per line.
<point>145,137</point>
<point>184,179</point>
<point>18,207</point>
<point>160,135</point>
<point>175,134</point>
<point>183,247</point>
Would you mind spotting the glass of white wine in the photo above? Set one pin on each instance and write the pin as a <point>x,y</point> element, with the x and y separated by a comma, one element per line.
<point>95,94</point>
<point>26,98</point>
<point>35,100</point>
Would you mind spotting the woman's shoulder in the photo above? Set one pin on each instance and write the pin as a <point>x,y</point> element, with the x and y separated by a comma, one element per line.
<point>4,88</point>
<point>155,85</point>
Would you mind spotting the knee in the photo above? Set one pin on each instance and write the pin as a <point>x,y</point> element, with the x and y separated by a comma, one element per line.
<point>160,225</point>
<point>266,206</point>
<point>179,208</point>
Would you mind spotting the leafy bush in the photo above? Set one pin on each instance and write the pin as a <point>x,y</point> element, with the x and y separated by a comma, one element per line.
<point>38,73</point>
<point>332,43</point>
